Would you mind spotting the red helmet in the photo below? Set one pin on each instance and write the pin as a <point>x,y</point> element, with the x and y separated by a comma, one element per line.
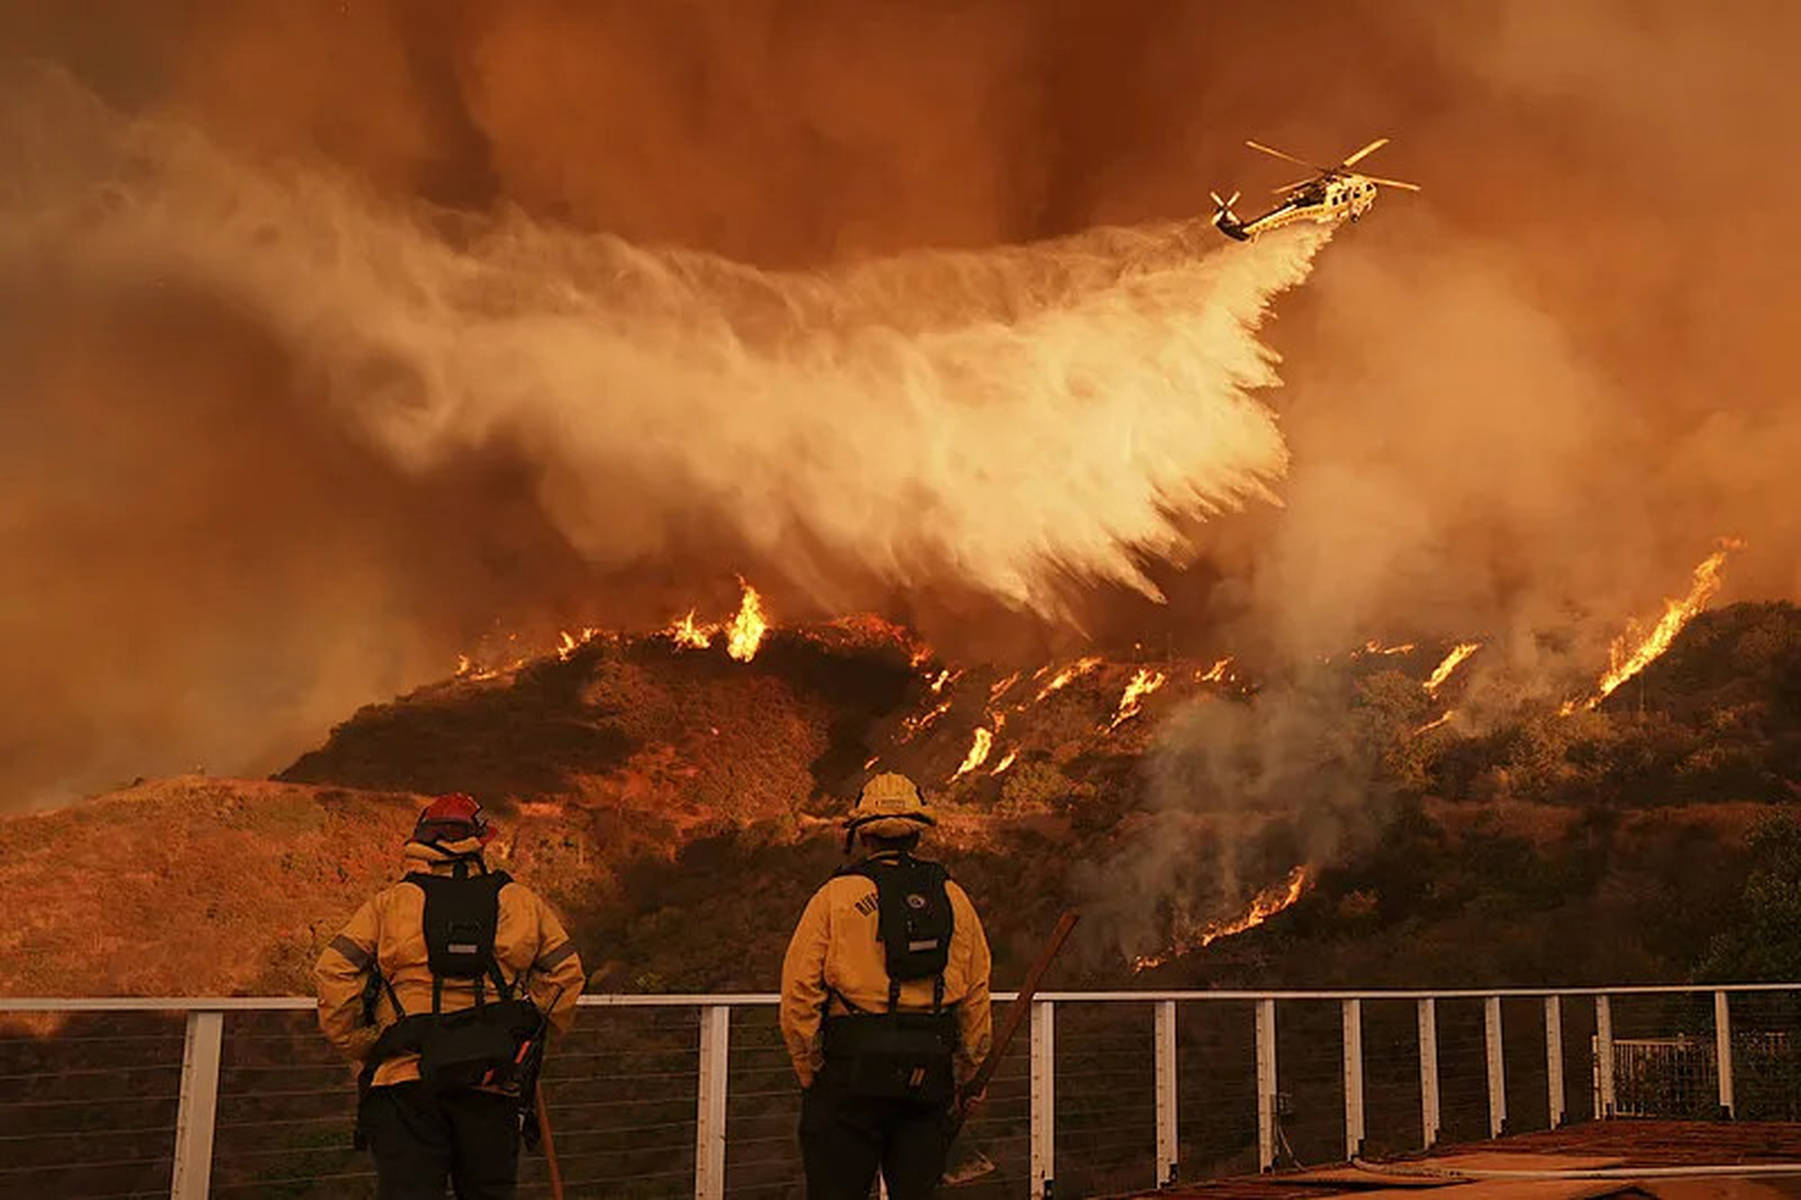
<point>452,817</point>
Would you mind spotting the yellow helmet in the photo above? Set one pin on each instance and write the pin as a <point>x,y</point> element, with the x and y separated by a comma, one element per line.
<point>890,806</point>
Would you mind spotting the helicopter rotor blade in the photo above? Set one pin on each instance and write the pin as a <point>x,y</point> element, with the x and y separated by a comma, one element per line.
<point>1365,152</point>
<point>1284,155</point>
<point>1289,187</point>
<point>1400,183</point>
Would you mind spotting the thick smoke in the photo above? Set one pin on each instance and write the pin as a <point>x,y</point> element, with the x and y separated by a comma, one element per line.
<point>1242,794</point>
<point>1006,422</point>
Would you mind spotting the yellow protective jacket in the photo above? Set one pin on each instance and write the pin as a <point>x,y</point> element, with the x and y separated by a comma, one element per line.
<point>835,950</point>
<point>389,933</point>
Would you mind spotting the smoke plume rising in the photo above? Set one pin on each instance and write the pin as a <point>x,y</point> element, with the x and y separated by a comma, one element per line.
<point>1005,422</point>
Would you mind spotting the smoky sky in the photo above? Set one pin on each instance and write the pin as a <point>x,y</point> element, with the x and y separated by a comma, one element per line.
<point>1531,395</point>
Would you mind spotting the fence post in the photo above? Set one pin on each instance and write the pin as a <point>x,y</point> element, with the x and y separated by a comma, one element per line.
<point>1044,1098</point>
<point>1554,1058</point>
<point>1266,1084</point>
<point>709,1120</point>
<point>1428,1020</point>
<point>199,1108</point>
<point>1603,1057</point>
<point>1353,1078</point>
<point>1166,1093</point>
<point>1497,1066</point>
<point>1722,1048</point>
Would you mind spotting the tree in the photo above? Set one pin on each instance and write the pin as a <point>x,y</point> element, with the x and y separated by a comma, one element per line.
<point>1765,944</point>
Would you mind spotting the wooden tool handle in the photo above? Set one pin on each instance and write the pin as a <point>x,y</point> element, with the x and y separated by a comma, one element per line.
<point>550,1146</point>
<point>1016,1016</point>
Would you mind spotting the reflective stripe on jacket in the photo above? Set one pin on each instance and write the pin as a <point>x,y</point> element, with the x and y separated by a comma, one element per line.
<point>389,931</point>
<point>835,947</point>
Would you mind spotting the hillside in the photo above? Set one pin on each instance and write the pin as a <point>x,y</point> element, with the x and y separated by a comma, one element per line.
<point>679,805</point>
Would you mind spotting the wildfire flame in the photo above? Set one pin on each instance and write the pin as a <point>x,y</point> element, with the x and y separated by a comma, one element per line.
<point>1219,672</point>
<point>1626,660</point>
<point>945,676</point>
<point>696,637</point>
<point>743,636</point>
<point>1435,722</point>
<point>1005,762</point>
<point>748,627</point>
<point>1267,904</point>
<point>1000,688</point>
<point>1452,661</point>
<point>978,752</point>
<point>1375,647</point>
<point>1142,684</point>
<point>914,725</point>
<point>1066,676</point>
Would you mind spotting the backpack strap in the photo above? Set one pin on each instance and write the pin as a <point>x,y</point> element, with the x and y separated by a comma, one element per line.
<point>502,989</point>
<point>388,986</point>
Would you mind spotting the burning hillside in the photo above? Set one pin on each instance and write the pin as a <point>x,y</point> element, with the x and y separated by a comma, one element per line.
<point>727,721</point>
<point>679,803</point>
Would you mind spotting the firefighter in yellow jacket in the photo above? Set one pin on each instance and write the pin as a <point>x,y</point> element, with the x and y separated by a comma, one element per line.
<point>885,1006</point>
<point>444,986</point>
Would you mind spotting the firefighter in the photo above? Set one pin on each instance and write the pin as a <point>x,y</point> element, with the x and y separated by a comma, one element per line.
<point>884,1006</point>
<point>444,986</point>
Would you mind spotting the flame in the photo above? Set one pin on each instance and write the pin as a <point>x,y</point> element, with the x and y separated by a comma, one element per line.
<point>464,666</point>
<point>978,752</point>
<point>1005,762</point>
<point>1143,684</point>
<point>1435,722</point>
<point>1219,672</point>
<point>686,633</point>
<point>914,725</point>
<point>748,627</point>
<point>1624,663</point>
<point>945,676</point>
<point>1267,904</point>
<point>1374,647</point>
<point>1442,671</point>
<point>871,761</point>
<point>568,643</point>
<point>1066,676</point>
<point>1000,688</point>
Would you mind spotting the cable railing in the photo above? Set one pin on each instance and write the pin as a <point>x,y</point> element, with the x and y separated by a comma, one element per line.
<point>665,1096</point>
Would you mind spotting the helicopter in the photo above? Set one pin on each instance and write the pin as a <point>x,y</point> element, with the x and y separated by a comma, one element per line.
<point>1330,195</point>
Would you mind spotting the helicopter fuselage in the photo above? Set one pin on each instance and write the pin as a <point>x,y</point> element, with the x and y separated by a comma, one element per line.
<point>1323,202</point>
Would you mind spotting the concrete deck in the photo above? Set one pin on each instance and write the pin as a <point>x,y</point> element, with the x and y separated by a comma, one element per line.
<point>1616,1146</point>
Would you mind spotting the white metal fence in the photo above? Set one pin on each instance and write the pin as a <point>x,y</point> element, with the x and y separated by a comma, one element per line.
<point>667,1096</point>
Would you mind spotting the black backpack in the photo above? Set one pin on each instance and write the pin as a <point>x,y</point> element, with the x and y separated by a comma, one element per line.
<point>486,1044</point>
<point>893,1054</point>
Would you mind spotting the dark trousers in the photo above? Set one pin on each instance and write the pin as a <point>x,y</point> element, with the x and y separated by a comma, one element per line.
<point>845,1139</point>
<point>420,1138</point>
